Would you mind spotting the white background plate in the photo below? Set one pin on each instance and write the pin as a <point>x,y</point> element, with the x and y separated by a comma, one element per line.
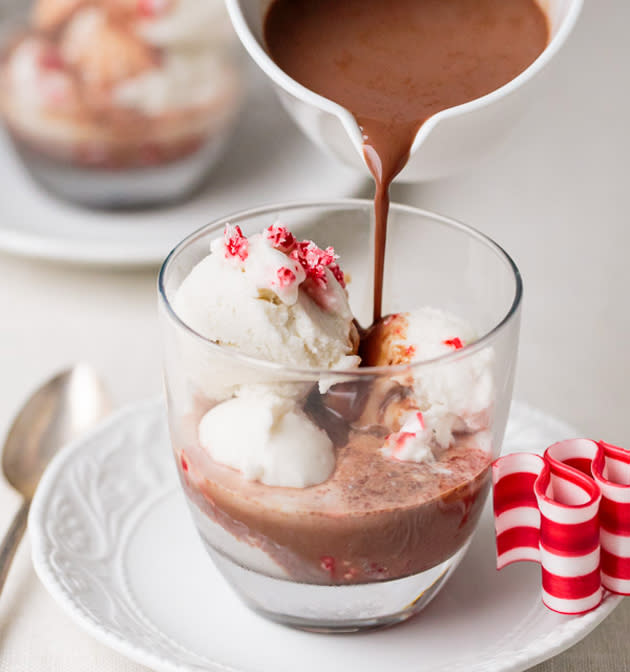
<point>268,160</point>
<point>113,543</point>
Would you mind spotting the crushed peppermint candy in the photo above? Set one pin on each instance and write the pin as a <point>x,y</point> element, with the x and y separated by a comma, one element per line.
<point>327,563</point>
<point>399,440</point>
<point>314,261</point>
<point>338,273</point>
<point>306,255</point>
<point>286,276</point>
<point>409,430</point>
<point>411,442</point>
<point>236,244</point>
<point>280,238</point>
<point>455,343</point>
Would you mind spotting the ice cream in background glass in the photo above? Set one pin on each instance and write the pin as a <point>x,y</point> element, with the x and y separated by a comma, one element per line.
<point>121,102</point>
<point>335,473</point>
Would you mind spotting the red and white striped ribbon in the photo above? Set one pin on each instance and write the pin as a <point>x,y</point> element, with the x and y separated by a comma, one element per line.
<point>569,510</point>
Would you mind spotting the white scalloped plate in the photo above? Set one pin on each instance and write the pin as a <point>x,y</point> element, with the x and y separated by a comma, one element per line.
<point>113,543</point>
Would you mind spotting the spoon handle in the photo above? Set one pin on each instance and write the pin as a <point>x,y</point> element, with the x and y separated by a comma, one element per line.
<point>12,540</point>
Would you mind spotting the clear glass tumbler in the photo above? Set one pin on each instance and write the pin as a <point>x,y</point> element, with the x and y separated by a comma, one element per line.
<point>372,544</point>
<point>119,104</point>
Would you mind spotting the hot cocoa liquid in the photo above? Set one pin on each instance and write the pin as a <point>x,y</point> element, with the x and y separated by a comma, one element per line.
<point>374,519</point>
<point>394,64</point>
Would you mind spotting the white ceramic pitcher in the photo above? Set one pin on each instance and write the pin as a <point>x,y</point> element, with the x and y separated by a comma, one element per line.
<point>448,142</point>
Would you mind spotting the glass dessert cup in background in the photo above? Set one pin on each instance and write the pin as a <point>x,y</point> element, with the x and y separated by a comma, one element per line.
<point>372,544</point>
<point>108,111</point>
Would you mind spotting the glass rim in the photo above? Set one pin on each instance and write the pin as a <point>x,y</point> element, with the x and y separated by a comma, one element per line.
<point>359,372</point>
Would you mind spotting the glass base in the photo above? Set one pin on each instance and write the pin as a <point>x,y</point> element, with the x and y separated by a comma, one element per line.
<point>335,609</point>
<point>123,188</point>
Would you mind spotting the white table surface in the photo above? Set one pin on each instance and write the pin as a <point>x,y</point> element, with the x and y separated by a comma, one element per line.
<point>554,197</point>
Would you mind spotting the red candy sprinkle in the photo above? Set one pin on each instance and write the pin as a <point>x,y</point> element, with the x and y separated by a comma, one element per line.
<point>50,59</point>
<point>150,8</point>
<point>184,462</point>
<point>327,563</point>
<point>401,439</point>
<point>314,260</point>
<point>338,273</point>
<point>454,343</point>
<point>378,569</point>
<point>420,419</point>
<point>236,244</point>
<point>285,276</point>
<point>281,238</point>
<point>410,350</point>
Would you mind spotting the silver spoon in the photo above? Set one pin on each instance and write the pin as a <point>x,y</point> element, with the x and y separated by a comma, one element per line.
<point>60,410</point>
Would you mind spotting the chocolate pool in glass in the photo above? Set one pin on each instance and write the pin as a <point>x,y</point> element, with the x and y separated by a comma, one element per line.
<point>372,544</point>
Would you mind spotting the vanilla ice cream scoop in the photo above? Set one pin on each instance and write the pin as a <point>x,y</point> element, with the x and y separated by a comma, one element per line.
<point>102,52</point>
<point>442,398</point>
<point>272,297</point>
<point>268,439</point>
<point>420,335</point>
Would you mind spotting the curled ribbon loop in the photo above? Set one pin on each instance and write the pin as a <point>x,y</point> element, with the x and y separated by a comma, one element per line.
<point>568,510</point>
